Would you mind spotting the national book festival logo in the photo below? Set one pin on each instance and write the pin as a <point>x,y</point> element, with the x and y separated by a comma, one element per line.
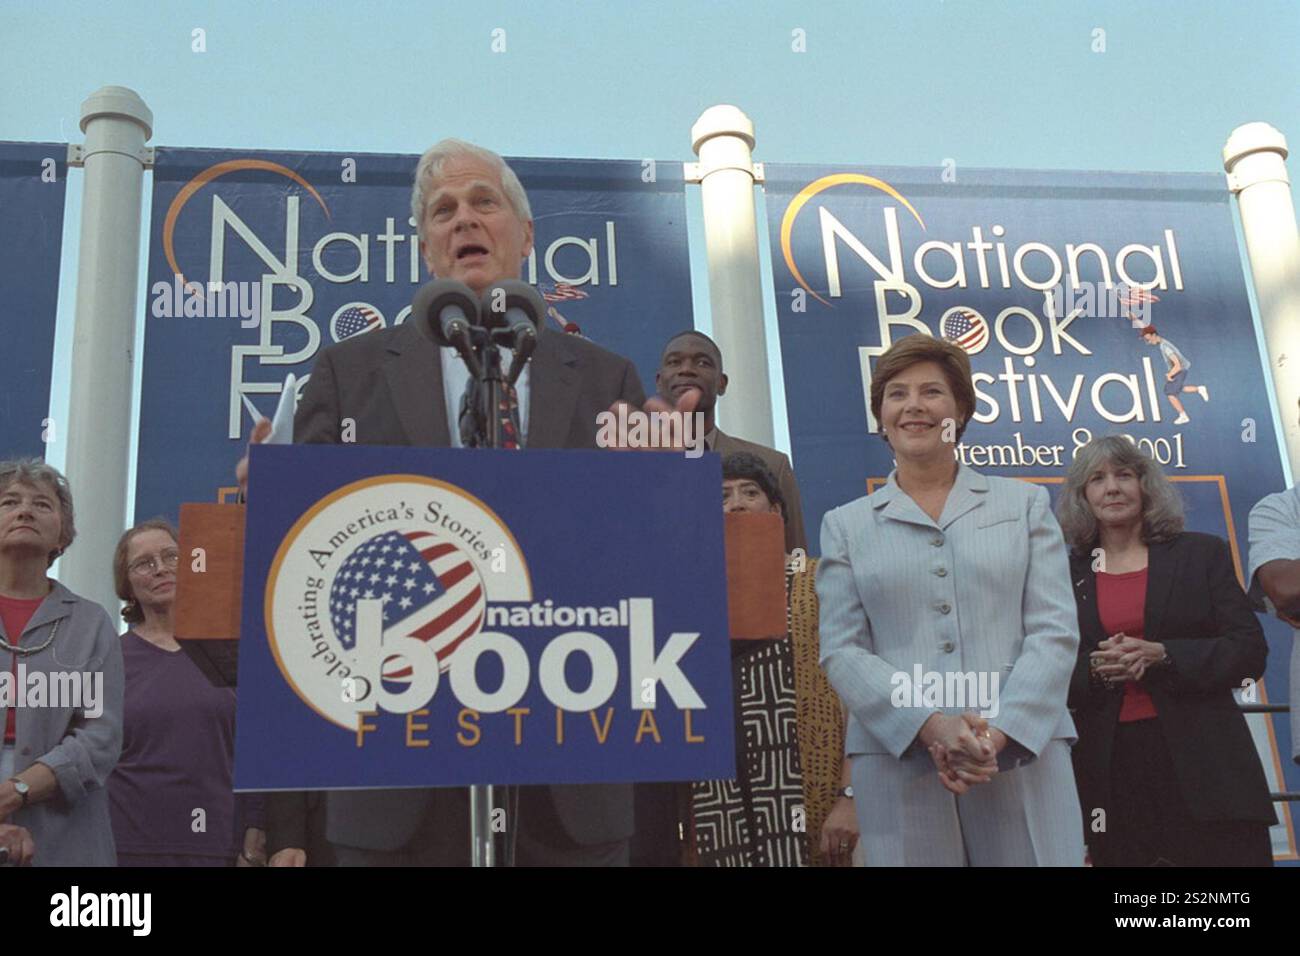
<point>379,586</point>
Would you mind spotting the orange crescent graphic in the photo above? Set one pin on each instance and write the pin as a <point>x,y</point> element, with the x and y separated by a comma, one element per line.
<point>205,177</point>
<point>812,189</point>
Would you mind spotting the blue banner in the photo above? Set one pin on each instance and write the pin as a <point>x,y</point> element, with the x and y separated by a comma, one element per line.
<point>403,630</point>
<point>33,184</point>
<point>292,252</point>
<point>1047,280</point>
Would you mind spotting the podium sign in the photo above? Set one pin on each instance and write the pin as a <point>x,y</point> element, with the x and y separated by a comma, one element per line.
<point>437,617</point>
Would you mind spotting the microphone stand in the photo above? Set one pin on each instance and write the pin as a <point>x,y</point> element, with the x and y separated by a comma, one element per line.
<point>491,389</point>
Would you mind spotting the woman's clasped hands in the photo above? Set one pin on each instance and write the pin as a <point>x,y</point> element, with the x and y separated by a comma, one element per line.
<point>1122,658</point>
<point>964,749</point>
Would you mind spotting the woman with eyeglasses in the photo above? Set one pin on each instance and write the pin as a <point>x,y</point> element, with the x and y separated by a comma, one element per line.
<point>59,745</point>
<point>171,796</point>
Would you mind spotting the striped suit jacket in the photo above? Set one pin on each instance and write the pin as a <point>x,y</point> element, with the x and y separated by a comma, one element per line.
<point>983,591</point>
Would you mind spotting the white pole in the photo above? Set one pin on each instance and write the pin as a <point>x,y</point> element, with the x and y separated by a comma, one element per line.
<point>117,123</point>
<point>1255,158</point>
<point>723,138</point>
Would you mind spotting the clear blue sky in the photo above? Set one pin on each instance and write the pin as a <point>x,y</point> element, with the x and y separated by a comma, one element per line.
<point>1011,84</point>
<point>987,83</point>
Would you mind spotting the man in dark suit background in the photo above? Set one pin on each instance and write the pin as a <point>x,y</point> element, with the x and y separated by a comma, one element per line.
<point>693,361</point>
<point>398,387</point>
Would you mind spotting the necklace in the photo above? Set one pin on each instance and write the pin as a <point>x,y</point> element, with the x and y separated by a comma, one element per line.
<point>29,651</point>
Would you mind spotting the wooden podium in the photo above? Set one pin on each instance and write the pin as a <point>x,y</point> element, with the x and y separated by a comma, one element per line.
<point>209,588</point>
<point>209,583</point>
<point>755,545</point>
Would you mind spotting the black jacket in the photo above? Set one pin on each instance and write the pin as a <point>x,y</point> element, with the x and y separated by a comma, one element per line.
<point>1196,608</point>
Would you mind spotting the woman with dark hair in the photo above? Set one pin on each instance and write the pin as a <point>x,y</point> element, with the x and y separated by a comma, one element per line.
<point>750,485</point>
<point>782,808</point>
<point>944,578</point>
<point>171,797</point>
<point>1166,768</point>
<point>55,756</point>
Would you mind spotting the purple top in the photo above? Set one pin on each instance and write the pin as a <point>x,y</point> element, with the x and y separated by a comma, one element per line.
<point>178,745</point>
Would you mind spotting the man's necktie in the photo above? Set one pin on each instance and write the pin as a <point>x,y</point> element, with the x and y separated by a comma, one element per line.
<point>507,411</point>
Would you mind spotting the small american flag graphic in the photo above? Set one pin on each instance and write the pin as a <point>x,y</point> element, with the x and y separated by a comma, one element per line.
<point>354,320</point>
<point>560,291</point>
<point>430,589</point>
<point>965,328</point>
<point>1132,295</point>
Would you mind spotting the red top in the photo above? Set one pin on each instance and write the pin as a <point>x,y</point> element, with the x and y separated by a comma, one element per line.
<point>1121,602</point>
<point>15,613</point>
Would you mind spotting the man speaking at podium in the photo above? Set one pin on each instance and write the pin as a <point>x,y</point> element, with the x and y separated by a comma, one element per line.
<point>398,387</point>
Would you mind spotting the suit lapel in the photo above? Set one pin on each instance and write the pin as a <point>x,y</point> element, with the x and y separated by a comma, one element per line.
<point>893,503</point>
<point>58,603</point>
<point>1085,597</point>
<point>553,392</point>
<point>414,373</point>
<point>1163,561</point>
<point>968,492</point>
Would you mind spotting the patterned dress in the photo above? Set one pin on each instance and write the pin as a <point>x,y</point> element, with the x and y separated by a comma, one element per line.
<point>761,817</point>
<point>821,715</point>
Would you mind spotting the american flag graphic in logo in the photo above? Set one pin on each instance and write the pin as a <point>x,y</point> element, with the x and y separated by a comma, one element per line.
<point>354,320</point>
<point>430,589</point>
<point>1132,295</point>
<point>560,291</point>
<point>965,328</point>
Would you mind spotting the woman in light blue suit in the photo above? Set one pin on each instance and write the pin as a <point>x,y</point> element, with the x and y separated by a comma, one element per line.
<point>949,630</point>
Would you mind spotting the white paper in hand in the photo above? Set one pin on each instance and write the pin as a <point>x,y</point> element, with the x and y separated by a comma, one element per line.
<point>282,423</point>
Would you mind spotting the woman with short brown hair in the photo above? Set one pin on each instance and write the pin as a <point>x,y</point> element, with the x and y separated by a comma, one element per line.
<point>951,360</point>
<point>55,756</point>
<point>943,571</point>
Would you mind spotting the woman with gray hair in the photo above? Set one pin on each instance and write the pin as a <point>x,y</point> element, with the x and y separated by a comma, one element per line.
<point>1166,768</point>
<point>60,680</point>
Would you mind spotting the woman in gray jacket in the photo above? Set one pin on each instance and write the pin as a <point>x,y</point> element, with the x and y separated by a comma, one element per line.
<point>949,631</point>
<point>60,680</point>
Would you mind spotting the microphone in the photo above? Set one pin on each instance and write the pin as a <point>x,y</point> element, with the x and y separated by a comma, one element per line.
<point>517,309</point>
<point>450,309</point>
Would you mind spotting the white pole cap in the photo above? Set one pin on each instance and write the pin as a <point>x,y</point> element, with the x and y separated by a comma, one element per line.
<point>722,120</point>
<point>117,101</point>
<point>1252,138</point>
